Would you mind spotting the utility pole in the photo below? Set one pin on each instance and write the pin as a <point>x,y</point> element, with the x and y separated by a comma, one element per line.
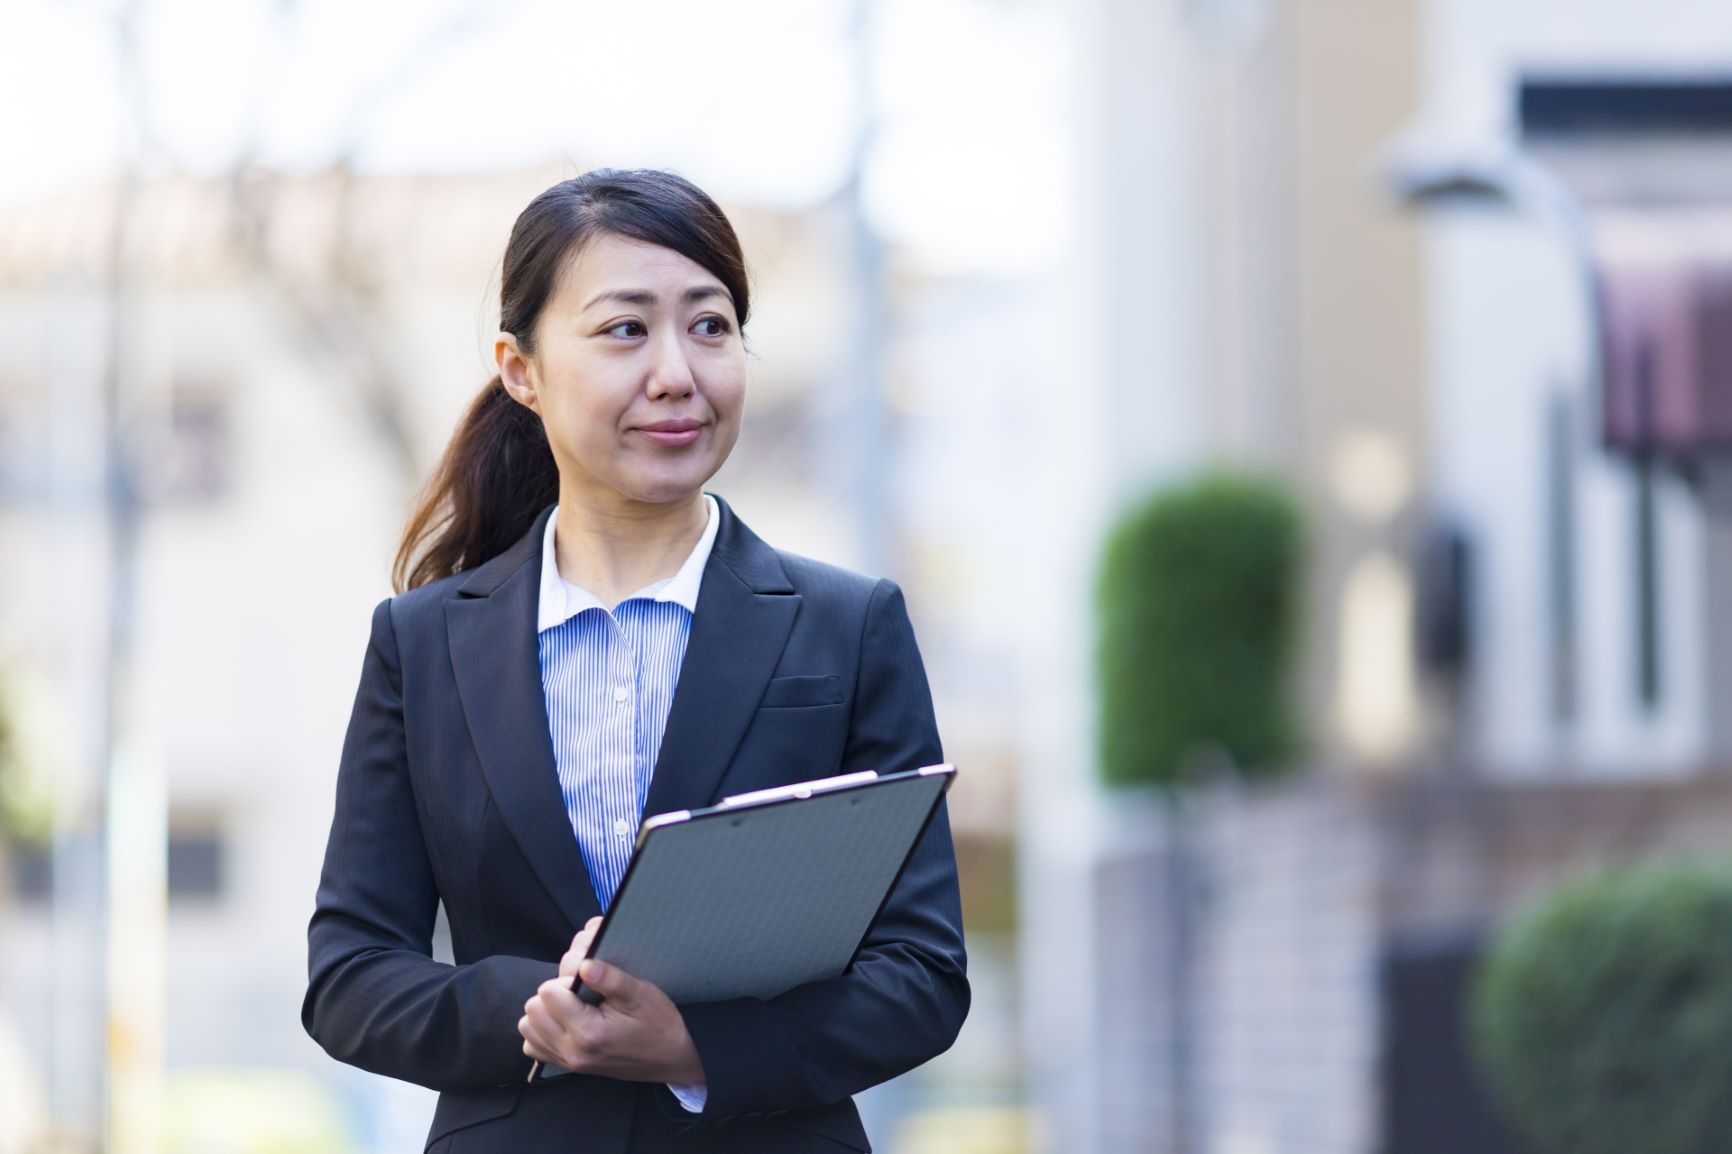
<point>856,444</point>
<point>858,459</point>
<point>132,890</point>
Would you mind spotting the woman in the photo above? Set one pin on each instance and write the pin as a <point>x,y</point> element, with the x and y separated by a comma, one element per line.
<point>583,637</point>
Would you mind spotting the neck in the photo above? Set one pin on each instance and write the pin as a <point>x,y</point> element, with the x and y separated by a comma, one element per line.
<point>614,551</point>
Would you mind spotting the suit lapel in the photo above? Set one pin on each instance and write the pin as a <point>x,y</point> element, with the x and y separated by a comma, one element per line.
<point>745,609</point>
<point>494,656</point>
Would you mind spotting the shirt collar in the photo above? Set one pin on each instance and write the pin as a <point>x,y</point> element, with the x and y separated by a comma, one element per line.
<point>561,600</point>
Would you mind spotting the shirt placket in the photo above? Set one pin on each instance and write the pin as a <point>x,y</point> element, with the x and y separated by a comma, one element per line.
<point>622,816</point>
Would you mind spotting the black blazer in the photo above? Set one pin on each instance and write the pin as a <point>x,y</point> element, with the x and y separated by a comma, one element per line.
<point>447,792</point>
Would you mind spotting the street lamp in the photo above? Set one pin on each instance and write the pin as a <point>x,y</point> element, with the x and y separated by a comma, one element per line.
<point>1428,177</point>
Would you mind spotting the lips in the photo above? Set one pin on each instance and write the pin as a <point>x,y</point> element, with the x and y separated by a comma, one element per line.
<point>672,433</point>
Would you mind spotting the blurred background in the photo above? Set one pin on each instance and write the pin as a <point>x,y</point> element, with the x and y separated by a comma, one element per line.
<point>1299,425</point>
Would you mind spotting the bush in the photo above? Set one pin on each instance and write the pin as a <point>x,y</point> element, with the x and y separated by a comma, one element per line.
<point>1602,1020</point>
<point>1198,605</point>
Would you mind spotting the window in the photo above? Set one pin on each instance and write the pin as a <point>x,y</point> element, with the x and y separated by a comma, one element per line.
<point>197,867</point>
<point>189,457</point>
<point>197,864</point>
<point>32,872</point>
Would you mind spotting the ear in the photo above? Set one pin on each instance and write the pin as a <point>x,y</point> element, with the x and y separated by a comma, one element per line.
<point>516,371</point>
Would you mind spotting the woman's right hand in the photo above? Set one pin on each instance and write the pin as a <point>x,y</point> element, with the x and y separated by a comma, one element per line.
<point>636,1033</point>
<point>579,949</point>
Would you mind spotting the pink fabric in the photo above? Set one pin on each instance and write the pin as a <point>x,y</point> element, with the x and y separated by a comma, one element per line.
<point>1665,303</point>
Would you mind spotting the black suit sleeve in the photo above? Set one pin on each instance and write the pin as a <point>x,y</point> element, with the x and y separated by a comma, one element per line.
<point>375,997</point>
<point>904,998</point>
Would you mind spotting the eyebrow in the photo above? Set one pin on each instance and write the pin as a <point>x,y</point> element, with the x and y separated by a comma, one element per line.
<point>643,298</point>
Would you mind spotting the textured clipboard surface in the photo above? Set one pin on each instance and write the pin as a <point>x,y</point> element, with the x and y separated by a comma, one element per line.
<point>754,902</point>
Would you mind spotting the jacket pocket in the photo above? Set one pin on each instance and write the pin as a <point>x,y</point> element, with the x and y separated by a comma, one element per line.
<point>796,692</point>
<point>460,1108</point>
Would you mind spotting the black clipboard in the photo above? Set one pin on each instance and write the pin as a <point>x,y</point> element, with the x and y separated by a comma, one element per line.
<point>768,890</point>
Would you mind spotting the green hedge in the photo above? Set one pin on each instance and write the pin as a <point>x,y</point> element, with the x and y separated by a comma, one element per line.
<point>1197,610</point>
<point>1602,1020</point>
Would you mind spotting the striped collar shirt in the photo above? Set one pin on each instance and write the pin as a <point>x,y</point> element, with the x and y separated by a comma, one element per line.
<point>608,679</point>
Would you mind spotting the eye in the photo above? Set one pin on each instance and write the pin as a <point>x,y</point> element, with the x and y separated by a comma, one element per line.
<point>712,326</point>
<point>626,329</point>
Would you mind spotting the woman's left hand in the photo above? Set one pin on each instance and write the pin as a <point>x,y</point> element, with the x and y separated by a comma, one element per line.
<point>636,1034</point>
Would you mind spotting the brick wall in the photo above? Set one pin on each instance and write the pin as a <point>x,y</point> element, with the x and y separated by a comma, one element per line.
<point>1286,980</point>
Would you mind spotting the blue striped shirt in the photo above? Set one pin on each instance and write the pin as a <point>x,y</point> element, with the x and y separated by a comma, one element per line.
<point>608,679</point>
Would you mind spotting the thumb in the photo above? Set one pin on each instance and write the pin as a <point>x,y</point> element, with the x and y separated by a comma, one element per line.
<point>619,988</point>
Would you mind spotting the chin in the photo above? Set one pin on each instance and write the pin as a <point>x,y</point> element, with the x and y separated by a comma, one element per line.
<point>665,491</point>
<point>659,482</point>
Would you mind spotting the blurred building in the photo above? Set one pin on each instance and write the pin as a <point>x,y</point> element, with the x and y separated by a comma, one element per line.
<point>1247,295</point>
<point>1316,246</point>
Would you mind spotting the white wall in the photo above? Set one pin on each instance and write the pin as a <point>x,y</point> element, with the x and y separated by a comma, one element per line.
<point>1119,402</point>
<point>1507,326</point>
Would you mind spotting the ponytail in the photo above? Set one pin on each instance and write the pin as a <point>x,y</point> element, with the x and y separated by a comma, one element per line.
<point>496,477</point>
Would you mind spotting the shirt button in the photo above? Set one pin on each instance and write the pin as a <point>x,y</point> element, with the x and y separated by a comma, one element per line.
<point>621,828</point>
<point>619,693</point>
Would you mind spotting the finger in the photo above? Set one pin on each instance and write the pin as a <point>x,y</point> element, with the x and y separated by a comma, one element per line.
<point>557,1015</point>
<point>554,1002</point>
<point>543,1052</point>
<point>540,1025</point>
<point>572,1026</point>
<point>534,1044</point>
<point>586,934</point>
<point>563,1025</point>
<point>573,958</point>
<point>622,992</point>
<point>580,946</point>
<point>539,1032</point>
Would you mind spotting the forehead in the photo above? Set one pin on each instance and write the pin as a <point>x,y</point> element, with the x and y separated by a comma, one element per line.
<point>612,263</point>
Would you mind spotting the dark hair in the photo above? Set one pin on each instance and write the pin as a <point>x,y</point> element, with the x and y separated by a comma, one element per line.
<point>498,474</point>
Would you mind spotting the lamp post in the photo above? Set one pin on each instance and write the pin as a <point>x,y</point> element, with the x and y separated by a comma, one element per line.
<point>1508,176</point>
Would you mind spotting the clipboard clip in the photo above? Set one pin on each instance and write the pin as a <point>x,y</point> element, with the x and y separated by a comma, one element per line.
<point>802,789</point>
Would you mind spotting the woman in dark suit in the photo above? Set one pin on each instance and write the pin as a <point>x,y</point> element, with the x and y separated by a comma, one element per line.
<point>583,637</point>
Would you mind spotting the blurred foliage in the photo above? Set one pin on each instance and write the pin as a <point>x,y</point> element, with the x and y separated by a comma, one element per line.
<point>253,1111</point>
<point>24,810</point>
<point>1601,1020</point>
<point>1197,611</point>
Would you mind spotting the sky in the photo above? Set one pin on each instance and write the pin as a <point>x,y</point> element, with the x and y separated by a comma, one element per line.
<point>962,106</point>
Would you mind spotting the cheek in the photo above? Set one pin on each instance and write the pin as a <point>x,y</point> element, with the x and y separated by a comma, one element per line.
<point>584,400</point>
<point>730,406</point>
<point>568,419</point>
<point>582,428</point>
<point>726,389</point>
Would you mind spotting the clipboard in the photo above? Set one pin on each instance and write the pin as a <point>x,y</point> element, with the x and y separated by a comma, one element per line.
<point>768,890</point>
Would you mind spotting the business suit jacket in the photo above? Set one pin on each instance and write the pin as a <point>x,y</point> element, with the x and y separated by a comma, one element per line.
<point>447,792</point>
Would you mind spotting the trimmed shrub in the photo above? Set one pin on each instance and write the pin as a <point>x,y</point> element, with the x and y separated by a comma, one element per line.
<point>1602,1020</point>
<point>1197,607</point>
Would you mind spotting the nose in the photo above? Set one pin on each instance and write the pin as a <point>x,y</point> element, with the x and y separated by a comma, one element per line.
<point>670,373</point>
